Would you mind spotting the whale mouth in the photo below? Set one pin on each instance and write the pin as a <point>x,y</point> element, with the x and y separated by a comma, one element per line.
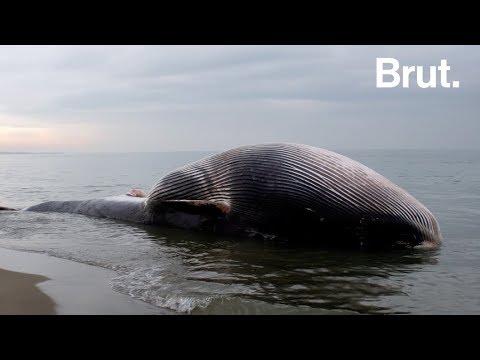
<point>381,236</point>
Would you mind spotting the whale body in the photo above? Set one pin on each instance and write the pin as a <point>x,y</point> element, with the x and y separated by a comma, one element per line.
<point>290,191</point>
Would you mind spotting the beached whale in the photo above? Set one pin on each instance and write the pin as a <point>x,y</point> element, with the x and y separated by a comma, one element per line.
<point>288,191</point>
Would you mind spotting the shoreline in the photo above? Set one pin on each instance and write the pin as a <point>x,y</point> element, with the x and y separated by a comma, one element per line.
<point>39,284</point>
<point>19,294</point>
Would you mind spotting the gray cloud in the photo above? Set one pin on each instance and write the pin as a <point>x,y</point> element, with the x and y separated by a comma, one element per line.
<point>153,98</point>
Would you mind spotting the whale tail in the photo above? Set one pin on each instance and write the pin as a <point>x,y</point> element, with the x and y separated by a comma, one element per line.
<point>7,208</point>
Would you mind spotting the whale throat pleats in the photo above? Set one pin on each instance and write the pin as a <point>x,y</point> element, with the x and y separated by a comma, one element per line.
<point>284,184</point>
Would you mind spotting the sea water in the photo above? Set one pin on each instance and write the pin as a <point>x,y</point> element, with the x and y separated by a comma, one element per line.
<point>193,273</point>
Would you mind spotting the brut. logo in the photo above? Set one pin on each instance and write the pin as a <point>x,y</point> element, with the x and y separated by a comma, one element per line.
<point>390,78</point>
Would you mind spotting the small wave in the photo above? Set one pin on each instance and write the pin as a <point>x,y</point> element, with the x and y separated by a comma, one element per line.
<point>161,287</point>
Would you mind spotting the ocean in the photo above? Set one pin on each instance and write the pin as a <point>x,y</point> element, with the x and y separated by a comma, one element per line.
<point>193,273</point>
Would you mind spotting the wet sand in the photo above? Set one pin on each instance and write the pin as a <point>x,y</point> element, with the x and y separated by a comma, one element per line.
<point>38,284</point>
<point>20,295</point>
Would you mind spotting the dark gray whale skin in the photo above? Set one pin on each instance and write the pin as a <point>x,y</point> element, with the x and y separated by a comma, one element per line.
<point>290,191</point>
<point>121,207</point>
<point>131,209</point>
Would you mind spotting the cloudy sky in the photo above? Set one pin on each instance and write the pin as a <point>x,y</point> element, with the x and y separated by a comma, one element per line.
<point>156,98</point>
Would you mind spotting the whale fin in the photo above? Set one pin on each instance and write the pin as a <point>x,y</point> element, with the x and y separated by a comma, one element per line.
<point>219,208</point>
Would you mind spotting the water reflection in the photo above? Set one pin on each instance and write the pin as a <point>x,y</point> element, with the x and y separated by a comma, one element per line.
<point>200,273</point>
<point>284,275</point>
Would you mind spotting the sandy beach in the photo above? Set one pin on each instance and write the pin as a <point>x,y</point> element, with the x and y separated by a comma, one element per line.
<point>37,284</point>
<point>20,295</point>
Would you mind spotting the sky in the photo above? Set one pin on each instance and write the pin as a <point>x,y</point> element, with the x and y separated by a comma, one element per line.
<point>169,98</point>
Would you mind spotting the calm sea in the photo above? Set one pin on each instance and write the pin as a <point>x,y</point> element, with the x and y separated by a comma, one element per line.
<point>202,274</point>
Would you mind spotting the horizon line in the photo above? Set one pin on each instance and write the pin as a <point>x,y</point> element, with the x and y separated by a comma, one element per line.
<point>176,151</point>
